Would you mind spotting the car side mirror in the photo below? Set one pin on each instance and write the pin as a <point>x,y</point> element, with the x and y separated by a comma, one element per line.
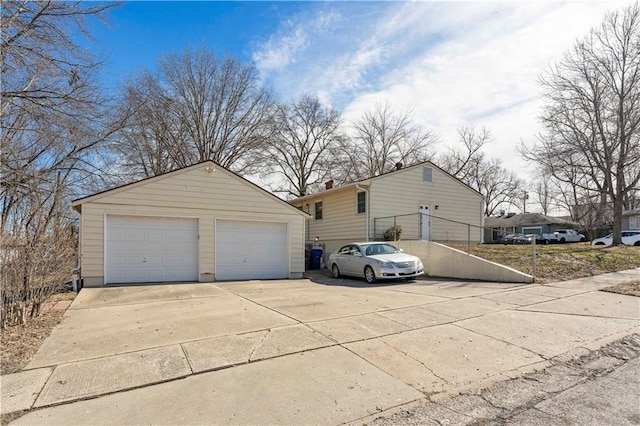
<point>400,250</point>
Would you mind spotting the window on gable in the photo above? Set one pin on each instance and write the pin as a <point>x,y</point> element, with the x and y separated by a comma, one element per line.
<point>318,210</point>
<point>427,175</point>
<point>362,202</point>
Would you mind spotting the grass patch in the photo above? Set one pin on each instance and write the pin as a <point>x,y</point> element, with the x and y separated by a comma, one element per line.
<point>560,262</point>
<point>629,289</point>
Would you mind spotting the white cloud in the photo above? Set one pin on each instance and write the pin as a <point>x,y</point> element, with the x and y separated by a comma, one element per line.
<point>451,63</point>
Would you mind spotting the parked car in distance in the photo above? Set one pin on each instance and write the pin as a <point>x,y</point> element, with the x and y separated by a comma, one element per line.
<point>374,261</point>
<point>509,239</point>
<point>629,238</point>
<point>564,236</point>
<point>528,239</point>
<point>523,239</point>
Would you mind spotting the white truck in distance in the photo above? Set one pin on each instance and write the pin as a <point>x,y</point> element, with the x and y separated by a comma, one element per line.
<point>564,236</point>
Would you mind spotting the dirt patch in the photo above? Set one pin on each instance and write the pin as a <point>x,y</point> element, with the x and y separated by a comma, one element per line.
<point>7,418</point>
<point>629,289</point>
<point>20,342</point>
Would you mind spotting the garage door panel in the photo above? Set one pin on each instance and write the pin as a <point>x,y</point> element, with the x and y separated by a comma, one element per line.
<point>251,250</point>
<point>151,249</point>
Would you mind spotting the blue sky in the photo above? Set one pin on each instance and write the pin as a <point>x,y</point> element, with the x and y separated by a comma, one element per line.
<point>451,63</point>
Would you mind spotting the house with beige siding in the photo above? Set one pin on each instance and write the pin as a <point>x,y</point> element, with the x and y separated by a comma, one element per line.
<point>200,223</point>
<point>423,200</point>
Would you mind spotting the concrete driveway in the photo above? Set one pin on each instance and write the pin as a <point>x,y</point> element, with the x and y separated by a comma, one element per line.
<point>321,351</point>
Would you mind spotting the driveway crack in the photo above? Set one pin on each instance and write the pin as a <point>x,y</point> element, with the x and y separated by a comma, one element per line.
<point>417,360</point>
<point>258,344</point>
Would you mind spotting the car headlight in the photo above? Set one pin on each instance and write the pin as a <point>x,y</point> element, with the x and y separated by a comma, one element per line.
<point>385,264</point>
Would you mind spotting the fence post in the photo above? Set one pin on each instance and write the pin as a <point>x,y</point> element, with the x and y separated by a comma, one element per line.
<point>395,230</point>
<point>468,238</point>
<point>533,257</point>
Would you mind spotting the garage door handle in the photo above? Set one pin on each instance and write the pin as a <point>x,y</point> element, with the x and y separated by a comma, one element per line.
<point>144,260</point>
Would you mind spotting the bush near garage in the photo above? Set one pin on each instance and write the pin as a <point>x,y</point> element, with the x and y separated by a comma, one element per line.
<point>31,271</point>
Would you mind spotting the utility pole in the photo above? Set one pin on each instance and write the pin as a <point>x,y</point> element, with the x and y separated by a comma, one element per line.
<point>524,206</point>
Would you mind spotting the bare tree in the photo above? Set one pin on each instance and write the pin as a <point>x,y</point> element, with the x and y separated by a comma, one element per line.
<point>498,185</point>
<point>545,196</point>
<point>198,107</point>
<point>55,122</point>
<point>382,138</point>
<point>303,133</point>
<point>462,162</point>
<point>487,176</point>
<point>591,119</point>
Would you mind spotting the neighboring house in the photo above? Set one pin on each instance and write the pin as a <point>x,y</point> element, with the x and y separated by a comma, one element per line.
<point>631,219</point>
<point>428,203</point>
<point>526,223</point>
<point>200,223</point>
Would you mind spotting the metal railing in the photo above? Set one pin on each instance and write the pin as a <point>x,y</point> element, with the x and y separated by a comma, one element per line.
<point>423,226</point>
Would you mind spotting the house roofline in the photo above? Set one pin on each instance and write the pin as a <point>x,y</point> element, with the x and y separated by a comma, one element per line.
<point>368,180</point>
<point>330,191</point>
<point>78,202</point>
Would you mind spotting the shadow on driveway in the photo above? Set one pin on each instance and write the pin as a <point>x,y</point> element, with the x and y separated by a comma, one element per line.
<point>323,276</point>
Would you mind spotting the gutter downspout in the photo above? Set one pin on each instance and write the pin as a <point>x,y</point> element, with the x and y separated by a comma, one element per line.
<point>366,191</point>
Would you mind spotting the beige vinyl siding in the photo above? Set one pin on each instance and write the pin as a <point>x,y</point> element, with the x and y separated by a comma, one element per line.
<point>402,192</point>
<point>339,217</point>
<point>193,193</point>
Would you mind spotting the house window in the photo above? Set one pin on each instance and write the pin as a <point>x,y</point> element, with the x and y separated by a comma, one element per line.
<point>318,210</point>
<point>634,222</point>
<point>362,202</point>
<point>427,175</point>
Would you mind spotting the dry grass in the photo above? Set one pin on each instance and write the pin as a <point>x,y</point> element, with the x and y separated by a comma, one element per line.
<point>20,342</point>
<point>630,289</point>
<point>560,262</point>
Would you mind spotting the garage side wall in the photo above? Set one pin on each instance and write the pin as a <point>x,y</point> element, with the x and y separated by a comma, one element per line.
<point>194,193</point>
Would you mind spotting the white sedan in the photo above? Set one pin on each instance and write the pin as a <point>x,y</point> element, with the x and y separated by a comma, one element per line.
<point>629,238</point>
<point>374,261</point>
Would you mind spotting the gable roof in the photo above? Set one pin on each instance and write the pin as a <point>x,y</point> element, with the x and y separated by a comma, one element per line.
<point>526,219</point>
<point>77,203</point>
<point>368,181</point>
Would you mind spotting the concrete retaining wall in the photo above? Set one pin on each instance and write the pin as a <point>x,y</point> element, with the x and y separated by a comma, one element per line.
<point>443,261</point>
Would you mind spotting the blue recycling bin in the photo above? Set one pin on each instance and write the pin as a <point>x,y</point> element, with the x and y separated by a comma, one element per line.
<point>316,259</point>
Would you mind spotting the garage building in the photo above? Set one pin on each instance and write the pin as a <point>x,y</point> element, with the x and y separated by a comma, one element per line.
<point>200,223</point>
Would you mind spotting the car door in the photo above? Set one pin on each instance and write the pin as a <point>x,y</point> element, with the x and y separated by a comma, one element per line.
<point>629,237</point>
<point>358,262</point>
<point>343,258</point>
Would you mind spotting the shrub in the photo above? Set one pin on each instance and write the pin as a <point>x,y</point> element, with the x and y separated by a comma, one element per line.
<point>393,233</point>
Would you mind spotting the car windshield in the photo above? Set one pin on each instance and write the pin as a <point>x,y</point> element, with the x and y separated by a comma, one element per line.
<point>373,249</point>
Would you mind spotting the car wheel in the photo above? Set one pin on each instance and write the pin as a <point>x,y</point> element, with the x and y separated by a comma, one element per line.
<point>599,244</point>
<point>369,275</point>
<point>637,244</point>
<point>335,271</point>
<point>562,240</point>
<point>583,239</point>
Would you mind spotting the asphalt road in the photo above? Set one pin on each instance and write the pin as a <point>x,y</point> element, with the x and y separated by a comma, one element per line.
<point>600,388</point>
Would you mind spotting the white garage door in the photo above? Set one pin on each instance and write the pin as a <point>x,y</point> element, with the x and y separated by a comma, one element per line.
<point>151,249</point>
<point>251,250</point>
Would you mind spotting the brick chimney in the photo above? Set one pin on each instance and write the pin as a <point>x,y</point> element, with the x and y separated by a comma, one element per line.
<point>398,166</point>
<point>328,184</point>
